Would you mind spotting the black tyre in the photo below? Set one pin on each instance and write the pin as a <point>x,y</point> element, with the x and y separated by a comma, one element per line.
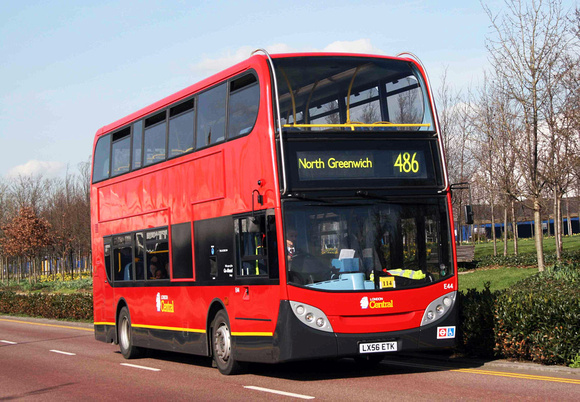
<point>125,336</point>
<point>221,345</point>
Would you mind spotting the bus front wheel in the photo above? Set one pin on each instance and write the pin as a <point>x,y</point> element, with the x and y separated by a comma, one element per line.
<point>221,345</point>
<point>128,350</point>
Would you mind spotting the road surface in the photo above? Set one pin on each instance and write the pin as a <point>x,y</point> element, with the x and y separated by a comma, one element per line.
<point>49,360</point>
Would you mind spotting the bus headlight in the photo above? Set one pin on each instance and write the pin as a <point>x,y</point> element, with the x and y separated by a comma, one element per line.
<point>311,316</point>
<point>438,308</point>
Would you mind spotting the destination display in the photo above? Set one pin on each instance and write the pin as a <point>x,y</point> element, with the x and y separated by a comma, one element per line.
<point>361,164</point>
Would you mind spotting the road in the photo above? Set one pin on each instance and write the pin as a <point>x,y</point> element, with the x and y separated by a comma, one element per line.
<point>49,360</point>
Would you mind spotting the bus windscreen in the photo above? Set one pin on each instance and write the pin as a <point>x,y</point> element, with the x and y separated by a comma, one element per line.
<point>318,93</point>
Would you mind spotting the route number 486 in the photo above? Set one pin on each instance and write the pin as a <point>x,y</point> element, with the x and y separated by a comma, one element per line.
<point>407,163</point>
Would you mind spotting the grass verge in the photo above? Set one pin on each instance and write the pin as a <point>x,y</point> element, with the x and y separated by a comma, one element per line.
<point>499,278</point>
<point>527,246</point>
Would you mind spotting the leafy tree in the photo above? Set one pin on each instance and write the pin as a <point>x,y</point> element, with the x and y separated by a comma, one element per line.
<point>27,237</point>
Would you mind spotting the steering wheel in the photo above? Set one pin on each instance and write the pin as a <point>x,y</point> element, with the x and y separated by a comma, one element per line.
<point>310,266</point>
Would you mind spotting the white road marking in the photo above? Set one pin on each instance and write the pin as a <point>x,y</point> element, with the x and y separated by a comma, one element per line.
<point>8,342</point>
<point>273,391</point>
<point>63,353</point>
<point>140,367</point>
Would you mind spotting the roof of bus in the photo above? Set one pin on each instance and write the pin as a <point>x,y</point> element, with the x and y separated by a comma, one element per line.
<point>220,76</point>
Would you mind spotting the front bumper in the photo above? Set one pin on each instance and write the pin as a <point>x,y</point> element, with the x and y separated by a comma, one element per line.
<point>295,341</point>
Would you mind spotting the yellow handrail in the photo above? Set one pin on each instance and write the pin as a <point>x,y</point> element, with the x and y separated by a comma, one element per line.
<point>348,95</point>
<point>290,92</point>
<point>308,102</point>
<point>353,125</point>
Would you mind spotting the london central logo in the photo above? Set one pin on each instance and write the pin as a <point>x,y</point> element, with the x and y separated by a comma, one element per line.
<point>375,302</point>
<point>364,303</point>
<point>163,304</point>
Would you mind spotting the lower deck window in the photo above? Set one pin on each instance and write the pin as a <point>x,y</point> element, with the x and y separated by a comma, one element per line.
<point>137,256</point>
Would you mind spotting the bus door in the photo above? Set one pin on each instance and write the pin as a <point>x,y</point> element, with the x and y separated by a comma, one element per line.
<point>257,259</point>
<point>107,283</point>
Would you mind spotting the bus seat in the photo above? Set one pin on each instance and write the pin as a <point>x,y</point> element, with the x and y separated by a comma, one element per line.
<point>127,272</point>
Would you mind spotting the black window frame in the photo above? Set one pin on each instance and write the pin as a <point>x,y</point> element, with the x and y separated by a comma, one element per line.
<point>134,133</point>
<point>269,245</point>
<point>242,257</point>
<point>235,91</point>
<point>107,259</point>
<point>114,248</point>
<point>155,121</point>
<point>143,125</point>
<point>109,241</point>
<point>225,85</point>
<point>180,113</point>
<point>116,138</point>
<point>168,262</point>
<point>103,139</point>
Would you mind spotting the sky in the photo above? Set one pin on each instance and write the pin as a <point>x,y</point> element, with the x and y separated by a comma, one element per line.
<point>68,68</point>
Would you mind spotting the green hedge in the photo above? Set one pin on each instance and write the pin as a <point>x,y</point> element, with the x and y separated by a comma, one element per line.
<point>75,306</point>
<point>524,260</point>
<point>476,322</point>
<point>538,319</point>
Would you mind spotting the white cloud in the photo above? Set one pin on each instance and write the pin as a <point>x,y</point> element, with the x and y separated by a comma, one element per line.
<point>210,66</point>
<point>37,168</point>
<point>355,46</point>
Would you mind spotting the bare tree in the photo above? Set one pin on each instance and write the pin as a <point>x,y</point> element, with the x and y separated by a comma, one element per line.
<point>561,143</point>
<point>406,110</point>
<point>447,101</point>
<point>484,148</point>
<point>455,121</point>
<point>529,37</point>
<point>507,139</point>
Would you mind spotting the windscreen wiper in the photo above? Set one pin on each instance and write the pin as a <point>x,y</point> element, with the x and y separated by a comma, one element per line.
<point>302,196</point>
<point>372,196</point>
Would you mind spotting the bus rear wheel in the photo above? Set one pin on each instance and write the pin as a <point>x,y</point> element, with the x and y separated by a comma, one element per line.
<point>125,336</point>
<point>221,345</point>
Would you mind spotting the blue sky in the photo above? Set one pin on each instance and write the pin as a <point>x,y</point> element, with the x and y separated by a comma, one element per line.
<point>70,67</point>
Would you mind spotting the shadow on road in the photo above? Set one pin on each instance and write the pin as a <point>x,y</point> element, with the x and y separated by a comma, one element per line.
<point>348,368</point>
<point>173,357</point>
<point>316,370</point>
<point>38,392</point>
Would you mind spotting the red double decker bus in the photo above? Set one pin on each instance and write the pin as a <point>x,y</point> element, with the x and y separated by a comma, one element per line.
<point>293,206</point>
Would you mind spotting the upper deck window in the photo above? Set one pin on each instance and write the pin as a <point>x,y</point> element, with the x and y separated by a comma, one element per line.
<point>211,118</point>
<point>102,159</point>
<point>181,128</point>
<point>243,106</point>
<point>225,111</point>
<point>327,91</point>
<point>155,139</point>
<point>137,143</point>
<point>121,151</point>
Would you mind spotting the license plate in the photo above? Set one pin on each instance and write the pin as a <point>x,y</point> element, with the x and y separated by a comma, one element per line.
<point>377,347</point>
